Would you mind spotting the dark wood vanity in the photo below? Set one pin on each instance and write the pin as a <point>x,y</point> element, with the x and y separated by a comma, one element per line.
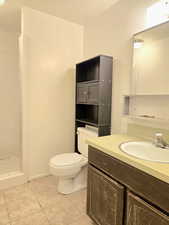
<point>120,194</point>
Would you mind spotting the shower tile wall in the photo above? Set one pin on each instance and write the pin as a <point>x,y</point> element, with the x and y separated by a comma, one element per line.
<point>10,116</point>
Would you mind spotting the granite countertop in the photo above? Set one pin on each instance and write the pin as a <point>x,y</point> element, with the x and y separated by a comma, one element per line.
<point>110,145</point>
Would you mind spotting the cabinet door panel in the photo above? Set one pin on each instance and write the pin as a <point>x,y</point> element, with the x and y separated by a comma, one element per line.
<point>105,199</point>
<point>141,213</point>
<point>93,93</point>
<point>82,91</point>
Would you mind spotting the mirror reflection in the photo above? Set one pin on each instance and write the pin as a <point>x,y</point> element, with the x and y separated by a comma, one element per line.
<point>151,61</point>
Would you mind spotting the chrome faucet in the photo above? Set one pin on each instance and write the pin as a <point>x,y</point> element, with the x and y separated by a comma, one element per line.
<point>159,141</point>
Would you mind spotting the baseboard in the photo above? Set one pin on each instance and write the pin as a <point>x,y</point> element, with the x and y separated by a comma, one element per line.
<point>38,176</point>
<point>12,179</point>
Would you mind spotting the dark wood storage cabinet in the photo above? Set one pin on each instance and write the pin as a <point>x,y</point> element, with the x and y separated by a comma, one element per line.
<point>93,94</point>
<point>119,194</point>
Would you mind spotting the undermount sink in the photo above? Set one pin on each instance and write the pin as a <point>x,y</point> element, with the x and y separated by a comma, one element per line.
<point>146,150</point>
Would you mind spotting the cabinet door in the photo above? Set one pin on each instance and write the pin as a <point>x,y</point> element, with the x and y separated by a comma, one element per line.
<point>93,93</point>
<point>141,213</point>
<point>104,198</point>
<point>82,91</point>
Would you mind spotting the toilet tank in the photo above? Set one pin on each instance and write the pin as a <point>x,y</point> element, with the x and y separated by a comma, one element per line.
<point>84,133</point>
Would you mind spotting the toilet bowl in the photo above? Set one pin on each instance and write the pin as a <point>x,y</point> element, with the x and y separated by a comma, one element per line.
<point>71,168</point>
<point>68,169</point>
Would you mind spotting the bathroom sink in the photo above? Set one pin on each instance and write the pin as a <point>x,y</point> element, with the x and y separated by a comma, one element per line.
<point>146,150</point>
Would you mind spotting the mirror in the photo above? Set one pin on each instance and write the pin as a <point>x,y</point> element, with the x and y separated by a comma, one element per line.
<point>151,61</point>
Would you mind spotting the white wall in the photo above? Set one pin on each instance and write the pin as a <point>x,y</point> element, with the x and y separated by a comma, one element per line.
<point>50,49</point>
<point>10,113</point>
<point>111,34</point>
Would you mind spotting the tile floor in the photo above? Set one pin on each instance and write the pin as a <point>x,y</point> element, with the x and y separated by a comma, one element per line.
<point>38,203</point>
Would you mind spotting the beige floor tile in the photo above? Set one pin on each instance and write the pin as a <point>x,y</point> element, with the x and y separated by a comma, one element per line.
<point>21,202</point>
<point>43,184</point>
<point>83,220</point>
<point>4,219</point>
<point>47,198</point>
<point>2,199</point>
<point>55,215</point>
<point>58,215</point>
<point>22,208</point>
<point>39,203</point>
<point>45,190</point>
<point>77,198</point>
<point>35,219</point>
<point>18,193</point>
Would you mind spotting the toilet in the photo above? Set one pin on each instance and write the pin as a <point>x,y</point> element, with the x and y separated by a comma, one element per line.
<point>71,168</point>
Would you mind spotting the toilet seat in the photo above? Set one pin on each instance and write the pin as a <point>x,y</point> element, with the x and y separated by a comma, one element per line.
<point>67,160</point>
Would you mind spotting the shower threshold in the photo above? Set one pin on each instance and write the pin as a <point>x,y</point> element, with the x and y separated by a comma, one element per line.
<point>9,164</point>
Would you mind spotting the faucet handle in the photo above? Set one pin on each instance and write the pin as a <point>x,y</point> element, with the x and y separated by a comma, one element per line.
<point>159,141</point>
<point>158,134</point>
<point>158,137</point>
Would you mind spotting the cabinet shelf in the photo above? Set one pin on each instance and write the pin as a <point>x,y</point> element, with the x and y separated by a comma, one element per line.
<point>145,95</point>
<point>95,104</point>
<point>88,82</point>
<point>147,108</point>
<point>88,122</point>
<point>146,118</point>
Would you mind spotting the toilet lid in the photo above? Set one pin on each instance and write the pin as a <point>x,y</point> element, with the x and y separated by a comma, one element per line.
<point>66,159</point>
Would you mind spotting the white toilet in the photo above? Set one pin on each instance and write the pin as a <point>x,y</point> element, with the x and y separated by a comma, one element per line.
<point>71,168</point>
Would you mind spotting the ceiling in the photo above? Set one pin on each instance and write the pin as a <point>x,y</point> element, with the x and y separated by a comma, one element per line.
<point>77,11</point>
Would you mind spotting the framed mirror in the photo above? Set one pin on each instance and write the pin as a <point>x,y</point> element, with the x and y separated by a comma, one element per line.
<point>150,71</point>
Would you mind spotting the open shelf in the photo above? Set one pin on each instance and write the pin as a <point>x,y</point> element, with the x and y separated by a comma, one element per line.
<point>87,113</point>
<point>88,71</point>
<point>150,108</point>
<point>146,118</point>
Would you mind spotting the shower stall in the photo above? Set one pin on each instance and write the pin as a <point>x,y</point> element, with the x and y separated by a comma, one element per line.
<point>11,154</point>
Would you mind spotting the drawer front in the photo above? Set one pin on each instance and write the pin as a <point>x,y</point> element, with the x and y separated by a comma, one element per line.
<point>140,212</point>
<point>143,184</point>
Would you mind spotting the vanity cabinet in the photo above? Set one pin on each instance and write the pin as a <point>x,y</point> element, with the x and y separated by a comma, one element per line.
<point>140,212</point>
<point>120,194</point>
<point>105,198</point>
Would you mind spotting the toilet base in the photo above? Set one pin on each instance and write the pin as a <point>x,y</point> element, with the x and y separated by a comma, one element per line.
<point>67,185</point>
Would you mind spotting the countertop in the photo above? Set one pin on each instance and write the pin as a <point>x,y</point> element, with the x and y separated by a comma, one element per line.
<point>110,145</point>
